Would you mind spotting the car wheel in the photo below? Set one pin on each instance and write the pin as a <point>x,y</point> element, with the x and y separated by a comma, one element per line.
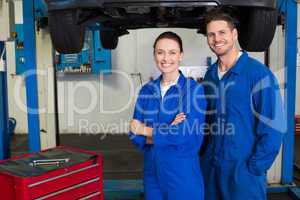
<point>66,35</point>
<point>109,39</point>
<point>257,31</point>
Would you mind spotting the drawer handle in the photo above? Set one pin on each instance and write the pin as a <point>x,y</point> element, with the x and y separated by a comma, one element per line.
<point>49,162</point>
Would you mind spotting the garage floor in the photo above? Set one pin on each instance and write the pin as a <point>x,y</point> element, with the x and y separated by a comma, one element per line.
<point>121,159</point>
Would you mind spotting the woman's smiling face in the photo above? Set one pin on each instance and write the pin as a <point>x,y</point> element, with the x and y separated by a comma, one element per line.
<point>167,55</point>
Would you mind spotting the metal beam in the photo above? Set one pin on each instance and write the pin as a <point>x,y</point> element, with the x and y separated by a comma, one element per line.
<point>4,137</point>
<point>31,76</point>
<point>289,8</point>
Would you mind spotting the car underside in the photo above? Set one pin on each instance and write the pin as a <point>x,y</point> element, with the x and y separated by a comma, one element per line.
<point>254,18</point>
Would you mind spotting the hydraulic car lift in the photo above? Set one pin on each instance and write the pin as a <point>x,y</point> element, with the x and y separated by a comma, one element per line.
<point>134,188</point>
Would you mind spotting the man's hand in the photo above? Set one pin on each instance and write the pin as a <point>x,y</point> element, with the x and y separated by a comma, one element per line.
<point>178,119</point>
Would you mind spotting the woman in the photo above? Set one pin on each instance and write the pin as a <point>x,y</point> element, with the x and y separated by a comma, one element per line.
<point>166,126</point>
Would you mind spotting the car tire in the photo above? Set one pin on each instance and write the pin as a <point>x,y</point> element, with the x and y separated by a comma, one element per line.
<point>67,36</point>
<point>257,32</point>
<point>109,39</point>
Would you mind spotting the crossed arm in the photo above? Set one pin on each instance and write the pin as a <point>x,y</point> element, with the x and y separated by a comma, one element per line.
<point>139,128</point>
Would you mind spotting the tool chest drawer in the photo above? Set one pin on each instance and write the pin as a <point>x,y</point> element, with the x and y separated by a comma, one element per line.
<point>61,173</point>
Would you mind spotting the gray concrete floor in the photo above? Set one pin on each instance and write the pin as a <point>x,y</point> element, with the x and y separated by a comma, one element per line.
<point>121,159</point>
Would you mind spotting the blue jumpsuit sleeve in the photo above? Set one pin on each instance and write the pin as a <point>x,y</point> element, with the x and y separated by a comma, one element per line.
<point>268,110</point>
<point>138,140</point>
<point>165,135</point>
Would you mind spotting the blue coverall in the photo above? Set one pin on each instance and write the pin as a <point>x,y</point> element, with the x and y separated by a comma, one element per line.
<point>245,115</point>
<point>171,164</point>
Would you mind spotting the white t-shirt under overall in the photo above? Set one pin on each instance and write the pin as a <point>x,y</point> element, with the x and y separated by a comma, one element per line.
<point>221,74</point>
<point>165,88</point>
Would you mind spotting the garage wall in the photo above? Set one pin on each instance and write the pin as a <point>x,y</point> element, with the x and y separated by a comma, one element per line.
<point>16,84</point>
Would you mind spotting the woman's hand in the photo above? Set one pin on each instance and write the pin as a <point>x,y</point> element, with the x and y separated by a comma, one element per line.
<point>178,119</point>
<point>140,128</point>
<point>136,126</point>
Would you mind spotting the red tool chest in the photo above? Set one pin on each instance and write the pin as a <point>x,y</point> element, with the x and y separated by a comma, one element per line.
<point>61,173</point>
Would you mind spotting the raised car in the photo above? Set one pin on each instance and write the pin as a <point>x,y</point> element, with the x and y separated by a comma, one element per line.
<point>256,19</point>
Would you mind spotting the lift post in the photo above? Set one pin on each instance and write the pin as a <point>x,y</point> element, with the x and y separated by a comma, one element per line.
<point>31,77</point>
<point>7,26</point>
<point>4,138</point>
<point>289,9</point>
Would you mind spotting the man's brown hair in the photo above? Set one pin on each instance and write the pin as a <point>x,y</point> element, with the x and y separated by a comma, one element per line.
<point>220,13</point>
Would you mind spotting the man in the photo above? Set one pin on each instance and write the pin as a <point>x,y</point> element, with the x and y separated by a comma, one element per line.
<point>244,115</point>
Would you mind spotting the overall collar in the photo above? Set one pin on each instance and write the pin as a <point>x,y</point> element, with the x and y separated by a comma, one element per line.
<point>155,85</point>
<point>236,68</point>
